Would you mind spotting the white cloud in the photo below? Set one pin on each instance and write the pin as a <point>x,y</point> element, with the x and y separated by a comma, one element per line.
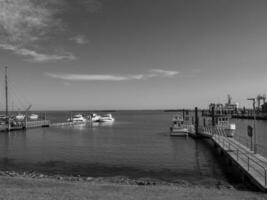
<point>36,57</point>
<point>161,72</point>
<point>24,23</point>
<point>110,77</point>
<point>94,77</point>
<point>80,39</point>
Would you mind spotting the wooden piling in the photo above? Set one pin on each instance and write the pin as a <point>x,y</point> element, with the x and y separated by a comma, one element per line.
<point>196,120</point>
<point>213,116</point>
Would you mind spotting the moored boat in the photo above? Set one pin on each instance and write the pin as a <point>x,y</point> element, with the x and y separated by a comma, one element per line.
<point>222,123</point>
<point>178,128</point>
<point>33,116</point>
<point>106,118</point>
<point>95,117</point>
<point>77,118</point>
<point>20,117</point>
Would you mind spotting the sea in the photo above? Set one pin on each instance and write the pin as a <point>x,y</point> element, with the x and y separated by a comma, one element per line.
<point>136,145</point>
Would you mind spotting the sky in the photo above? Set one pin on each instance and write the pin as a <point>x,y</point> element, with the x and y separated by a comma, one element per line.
<point>132,54</point>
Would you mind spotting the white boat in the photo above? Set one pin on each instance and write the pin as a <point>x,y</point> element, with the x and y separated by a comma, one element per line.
<point>178,128</point>
<point>20,117</point>
<point>106,118</point>
<point>77,118</point>
<point>222,122</point>
<point>95,117</point>
<point>33,116</point>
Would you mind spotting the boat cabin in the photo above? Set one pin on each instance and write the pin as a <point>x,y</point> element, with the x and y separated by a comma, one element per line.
<point>220,120</point>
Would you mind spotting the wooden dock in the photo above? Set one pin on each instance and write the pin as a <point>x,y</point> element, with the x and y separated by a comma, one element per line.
<point>25,125</point>
<point>254,166</point>
<point>66,124</point>
<point>35,124</point>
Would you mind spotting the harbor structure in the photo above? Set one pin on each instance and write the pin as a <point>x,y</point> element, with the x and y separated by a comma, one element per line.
<point>228,108</point>
<point>250,163</point>
<point>10,122</point>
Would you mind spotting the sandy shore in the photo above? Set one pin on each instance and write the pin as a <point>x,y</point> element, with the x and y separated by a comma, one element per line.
<point>39,186</point>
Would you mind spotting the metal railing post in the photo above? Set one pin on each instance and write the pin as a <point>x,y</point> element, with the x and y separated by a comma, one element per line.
<point>248,163</point>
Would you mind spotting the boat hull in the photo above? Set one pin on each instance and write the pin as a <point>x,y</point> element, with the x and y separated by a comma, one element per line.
<point>178,131</point>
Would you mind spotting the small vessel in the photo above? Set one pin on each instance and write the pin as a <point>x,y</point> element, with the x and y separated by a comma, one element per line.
<point>3,119</point>
<point>95,117</point>
<point>178,128</point>
<point>33,117</point>
<point>20,117</point>
<point>106,118</point>
<point>222,122</point>
<point>77,118</point>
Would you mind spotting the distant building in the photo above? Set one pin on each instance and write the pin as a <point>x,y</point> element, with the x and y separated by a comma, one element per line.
<point>218,108</point>
<point>228,108</point>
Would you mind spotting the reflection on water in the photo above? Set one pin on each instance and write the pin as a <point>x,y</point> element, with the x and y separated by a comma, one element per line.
<point>138,143</point>
<point>102,124</point>
<point>79,126</point>
<point>10,140</point>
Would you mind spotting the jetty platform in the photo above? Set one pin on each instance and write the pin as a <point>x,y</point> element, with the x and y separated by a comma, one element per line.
<point>35,124</point>
<point>251,165</point>
<point>25,125</point>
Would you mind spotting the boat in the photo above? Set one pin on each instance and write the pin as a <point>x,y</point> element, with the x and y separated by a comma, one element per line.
<point>20,117</point>
<point>178,128</point>
<point>77,118</point>
<point>3,119</point>
<point>95,117</point>
<point>106,118</point>
<point>222,122</point>
<point>33,117</point>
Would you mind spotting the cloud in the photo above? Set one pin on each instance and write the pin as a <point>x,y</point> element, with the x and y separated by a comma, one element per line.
<point>94,77</point>
<point>110,77</point>
<point>165,73</point>
<point>36,57</point>
<point>23,21</point>
<point>26,23</point>
<point>80,39</point>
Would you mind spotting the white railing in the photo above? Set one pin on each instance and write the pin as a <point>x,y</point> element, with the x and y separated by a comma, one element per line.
<point>251,162</point>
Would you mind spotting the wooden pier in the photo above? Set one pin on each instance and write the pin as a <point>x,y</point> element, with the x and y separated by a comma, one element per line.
<point>66,124</point>
<point>25,125</point>
<point>253,166</point>
<point>35,124</point>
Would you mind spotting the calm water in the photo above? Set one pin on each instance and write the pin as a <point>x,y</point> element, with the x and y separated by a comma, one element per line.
<point>137,144</point>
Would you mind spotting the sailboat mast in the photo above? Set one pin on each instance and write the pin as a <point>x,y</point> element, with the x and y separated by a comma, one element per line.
<point>6,93</point>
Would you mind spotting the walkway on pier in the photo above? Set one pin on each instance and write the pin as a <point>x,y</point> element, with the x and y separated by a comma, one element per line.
<point>252,165</point>
<point>25,125</point>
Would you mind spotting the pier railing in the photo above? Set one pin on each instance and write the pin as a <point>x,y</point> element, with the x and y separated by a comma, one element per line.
<point>248,161</point>
<point>247,142</point>
<point>210,131</point>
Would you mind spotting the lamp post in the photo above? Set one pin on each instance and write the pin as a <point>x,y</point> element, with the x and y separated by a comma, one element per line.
<point>254,123</point>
